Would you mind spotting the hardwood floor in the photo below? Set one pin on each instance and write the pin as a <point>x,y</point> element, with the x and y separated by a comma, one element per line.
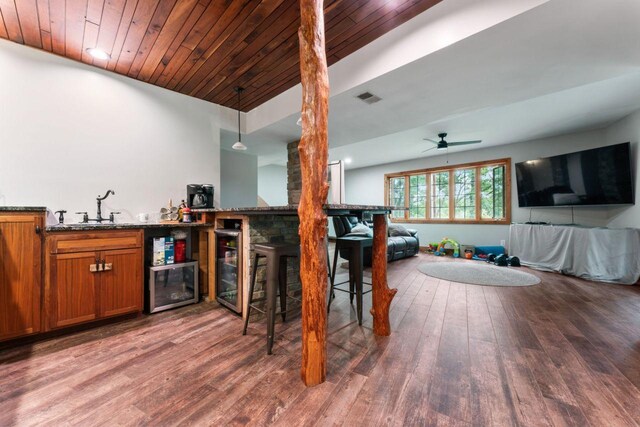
<point>565,352</point>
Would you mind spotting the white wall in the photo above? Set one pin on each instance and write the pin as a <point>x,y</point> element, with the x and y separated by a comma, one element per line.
<point>272,185</point>
<point>366,185</point>
<point>627,130</point>
<point>239,179</point>
<point>69,132</point>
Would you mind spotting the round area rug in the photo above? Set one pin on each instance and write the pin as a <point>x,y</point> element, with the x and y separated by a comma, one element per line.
<point>478,274</point>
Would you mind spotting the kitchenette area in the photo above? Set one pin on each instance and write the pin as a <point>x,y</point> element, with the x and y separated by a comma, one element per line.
<point>65,276</point>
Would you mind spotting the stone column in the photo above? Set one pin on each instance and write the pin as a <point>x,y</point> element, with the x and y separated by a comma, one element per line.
<point>294,179</point>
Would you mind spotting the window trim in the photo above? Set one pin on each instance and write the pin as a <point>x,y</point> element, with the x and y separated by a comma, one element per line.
<point>450,169</point>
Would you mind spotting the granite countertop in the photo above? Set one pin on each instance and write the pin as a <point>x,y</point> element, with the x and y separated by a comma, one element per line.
<point>330,209</point>
<point>121,226</point>
<point>23,209</point>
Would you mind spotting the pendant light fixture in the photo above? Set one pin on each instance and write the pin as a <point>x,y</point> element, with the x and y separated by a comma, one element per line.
<point>239,146</point>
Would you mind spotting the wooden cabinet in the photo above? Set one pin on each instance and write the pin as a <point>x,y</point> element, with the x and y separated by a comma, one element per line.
<point>118,290</point>
<point>93,275</point>
<point>73,292</point>
<point>20,273</point>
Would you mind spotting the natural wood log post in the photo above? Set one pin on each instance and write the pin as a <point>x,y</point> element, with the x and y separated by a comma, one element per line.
<point>381,294</point>
<point>314,154</point>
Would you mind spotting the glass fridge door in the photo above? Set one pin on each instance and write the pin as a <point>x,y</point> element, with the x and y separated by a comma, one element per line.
<point>173,285</point>
<point>228,276</point>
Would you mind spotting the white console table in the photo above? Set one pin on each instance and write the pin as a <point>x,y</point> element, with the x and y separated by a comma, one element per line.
<point>601,254</point>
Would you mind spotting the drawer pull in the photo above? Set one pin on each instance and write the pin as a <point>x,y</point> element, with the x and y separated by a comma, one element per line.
<point>100,266</point>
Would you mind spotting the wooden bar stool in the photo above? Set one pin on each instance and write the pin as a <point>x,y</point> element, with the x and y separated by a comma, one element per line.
<point>354,246</point>
<point>276,255</point>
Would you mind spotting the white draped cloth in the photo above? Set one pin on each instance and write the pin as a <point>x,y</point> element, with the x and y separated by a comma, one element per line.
<point>601,254</point>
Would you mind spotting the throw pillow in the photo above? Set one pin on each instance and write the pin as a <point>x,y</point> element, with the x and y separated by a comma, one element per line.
<point>398,230</point>
<point>361,230</point>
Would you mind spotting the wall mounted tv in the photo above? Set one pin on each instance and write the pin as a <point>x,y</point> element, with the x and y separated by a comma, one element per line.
<point>601,176</point>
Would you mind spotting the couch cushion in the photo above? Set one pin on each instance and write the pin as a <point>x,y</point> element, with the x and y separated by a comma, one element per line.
<point>398,242</point>
<point>398,230</point>
<point>361,230</point>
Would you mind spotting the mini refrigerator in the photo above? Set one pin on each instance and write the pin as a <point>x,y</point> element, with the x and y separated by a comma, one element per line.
<point>229,268</point>
<point>172,285</point>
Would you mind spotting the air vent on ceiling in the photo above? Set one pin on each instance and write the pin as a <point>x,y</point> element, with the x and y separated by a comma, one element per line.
<point>369,98</point>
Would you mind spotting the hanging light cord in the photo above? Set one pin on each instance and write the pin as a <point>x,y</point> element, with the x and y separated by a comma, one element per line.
<point>239,90</point>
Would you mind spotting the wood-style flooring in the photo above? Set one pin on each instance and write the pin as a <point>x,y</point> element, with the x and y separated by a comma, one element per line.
<point>565,352</point>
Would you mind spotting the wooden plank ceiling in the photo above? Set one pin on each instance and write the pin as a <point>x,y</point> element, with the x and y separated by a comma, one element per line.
<point>201,48</point>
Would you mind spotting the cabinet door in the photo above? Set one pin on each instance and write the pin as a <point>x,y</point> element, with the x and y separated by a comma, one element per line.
<point>121,287</point>
<point>20,274</point>
<point>73,289</point>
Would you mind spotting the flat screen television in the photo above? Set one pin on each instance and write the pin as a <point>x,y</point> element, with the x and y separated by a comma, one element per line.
<point>601,176</point>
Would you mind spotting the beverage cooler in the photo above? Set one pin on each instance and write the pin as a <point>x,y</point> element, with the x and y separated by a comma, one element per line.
<point>229,268</point>
<point>172,285</point>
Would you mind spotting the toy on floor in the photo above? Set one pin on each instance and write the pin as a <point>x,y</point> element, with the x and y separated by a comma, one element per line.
<point>456,247</point>
<point>501,260</point>
<point>514,261</point>
<point>482,252</point>
<point>432,247</point>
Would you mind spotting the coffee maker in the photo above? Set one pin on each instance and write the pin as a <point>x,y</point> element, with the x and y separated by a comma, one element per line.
<point>200,196</point>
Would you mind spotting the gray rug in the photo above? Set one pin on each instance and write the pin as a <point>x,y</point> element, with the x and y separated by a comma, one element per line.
<point>478,273</point>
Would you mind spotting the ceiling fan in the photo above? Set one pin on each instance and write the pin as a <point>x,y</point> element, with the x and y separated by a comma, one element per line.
<point>443,145</point>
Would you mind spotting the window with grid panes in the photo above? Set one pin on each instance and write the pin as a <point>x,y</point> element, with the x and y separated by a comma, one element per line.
<point>396,196</point>
<point>473,192</point>
<point>464,202</point>
<point>440,195</point>
<point>417,196</point>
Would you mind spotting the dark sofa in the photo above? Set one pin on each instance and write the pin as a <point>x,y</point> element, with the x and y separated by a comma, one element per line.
<point>398,247</point>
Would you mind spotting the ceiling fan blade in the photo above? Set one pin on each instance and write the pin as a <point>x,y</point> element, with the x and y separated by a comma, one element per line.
<point>464,143</point>
<point>429,149</point>
<point>430,140</point>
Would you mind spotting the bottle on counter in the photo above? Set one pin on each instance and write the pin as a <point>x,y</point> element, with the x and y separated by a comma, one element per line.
<point>186,214</point>
<point>181,210</point>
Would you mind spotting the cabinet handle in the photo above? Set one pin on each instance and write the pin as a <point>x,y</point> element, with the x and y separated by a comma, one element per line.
<point>38,229</point>
<point>93,268</point>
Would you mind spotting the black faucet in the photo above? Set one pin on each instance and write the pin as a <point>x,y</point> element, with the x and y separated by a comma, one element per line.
<point>99,199</point>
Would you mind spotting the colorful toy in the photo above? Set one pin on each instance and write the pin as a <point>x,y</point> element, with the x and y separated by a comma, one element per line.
<point>433,247</point>
<point>456,247</point>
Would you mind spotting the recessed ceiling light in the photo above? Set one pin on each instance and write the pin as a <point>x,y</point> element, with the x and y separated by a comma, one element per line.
<point>98,53</point>
<point>347,161</point>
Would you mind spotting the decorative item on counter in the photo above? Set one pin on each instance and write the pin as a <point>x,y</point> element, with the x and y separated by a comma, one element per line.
<point>169,215</point>
<point>183,205</point>
<point>143,217</point>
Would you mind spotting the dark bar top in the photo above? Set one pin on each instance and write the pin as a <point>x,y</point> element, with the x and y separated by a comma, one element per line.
<point>293,209</point>
<point>122,226</point>
<point>23,209</point>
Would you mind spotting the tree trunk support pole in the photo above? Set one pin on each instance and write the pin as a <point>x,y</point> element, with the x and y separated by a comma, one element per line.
<point>314,153</point>
<point>381,294</point>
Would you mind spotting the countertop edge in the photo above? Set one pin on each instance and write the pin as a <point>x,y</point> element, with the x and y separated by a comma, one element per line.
<point>23,209</point>
<point>77,227</point>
